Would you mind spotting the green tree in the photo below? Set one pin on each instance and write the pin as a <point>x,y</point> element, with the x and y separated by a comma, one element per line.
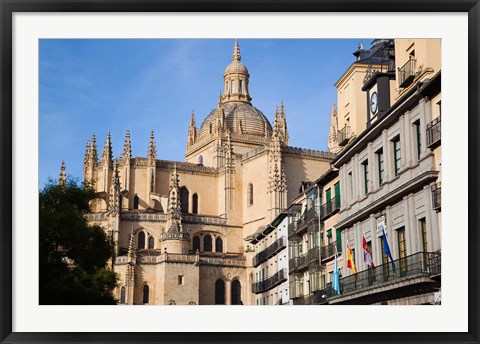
<point>73,254</point>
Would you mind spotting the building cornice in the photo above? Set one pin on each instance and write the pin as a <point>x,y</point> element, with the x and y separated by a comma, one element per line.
<point>353,68</point>
<point>378,205</point>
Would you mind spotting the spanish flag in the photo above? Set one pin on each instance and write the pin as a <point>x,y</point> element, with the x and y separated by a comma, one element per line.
<point>350,261</point>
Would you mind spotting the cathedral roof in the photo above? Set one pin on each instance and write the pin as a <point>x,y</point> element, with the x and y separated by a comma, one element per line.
<point>240,117</point>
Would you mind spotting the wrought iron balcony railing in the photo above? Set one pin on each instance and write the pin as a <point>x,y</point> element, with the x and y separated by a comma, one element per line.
<point>270,282</point>
<point>313,255</point>
<point>270,251</point>
<point>298,263</point>
<point>434,133</point>
<point>291,228</point>
<point>406,73</point>
<point>330,207</point>
<point>428,263</point>
<point>437,196</point>
<point>306,219</point>
<point>344,135</point>
<point>328,251</point>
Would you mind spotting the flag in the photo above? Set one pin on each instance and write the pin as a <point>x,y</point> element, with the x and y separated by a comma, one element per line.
<point>350,262</point>
<point>367,256</point>
<point>336,276</point>
<point>386,248</point>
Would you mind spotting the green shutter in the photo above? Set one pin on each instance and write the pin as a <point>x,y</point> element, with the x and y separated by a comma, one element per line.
<point>339,240</point>
<point>328,196</point>
<point>337,195</point>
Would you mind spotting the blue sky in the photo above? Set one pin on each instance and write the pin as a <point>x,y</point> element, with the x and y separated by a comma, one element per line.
<point>94,85</point>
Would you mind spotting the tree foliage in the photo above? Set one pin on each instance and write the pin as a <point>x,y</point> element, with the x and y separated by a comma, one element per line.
<point>73,254</point>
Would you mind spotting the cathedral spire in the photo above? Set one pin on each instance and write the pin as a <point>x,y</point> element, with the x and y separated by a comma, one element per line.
<point>87,154</point>
<point>90,159</point>
<point>93,150</point>
<point>333,132</point>
<point>283,123</point>
<point>174,216</point>
<point>107,156</point>
<point>192,131</point>
<point>152,150</point>
<point>127,147</point>
<point>192,120</point>
<point>130,270</point>
<point>62,181</point>
<point>236,52</point>
<point>131,246</point>
<point>115,192</point>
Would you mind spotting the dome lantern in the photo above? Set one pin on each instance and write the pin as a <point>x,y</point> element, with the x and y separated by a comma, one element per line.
<point>236,79</point>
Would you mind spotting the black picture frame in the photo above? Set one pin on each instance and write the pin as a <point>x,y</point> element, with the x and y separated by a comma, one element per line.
<point>9,7</point>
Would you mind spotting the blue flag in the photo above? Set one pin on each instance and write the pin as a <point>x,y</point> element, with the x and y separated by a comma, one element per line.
<point>336,276</point>
<point>386,248</point>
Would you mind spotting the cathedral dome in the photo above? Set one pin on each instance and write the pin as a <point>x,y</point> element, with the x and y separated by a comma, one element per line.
<point>239,117</point>
<point>236,67</point>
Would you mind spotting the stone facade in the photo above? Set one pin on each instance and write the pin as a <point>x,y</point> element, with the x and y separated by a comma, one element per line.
<point>390,174</point>
<point>179,227</point>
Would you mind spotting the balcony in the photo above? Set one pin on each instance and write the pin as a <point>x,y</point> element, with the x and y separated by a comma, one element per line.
<point>291,228</point>
<point>280,277</point>
<point>298,263</point>
<point>270,251</point>
<point>329,208</point>
<point>406,73</point>
<point>413,275</point>
<point>437,196</point>
<point>307,217</point>
<point>328,251</point>
<point>344,135</point>
<point>434,133</point>
<point>313,255</point>
<point>318,297</point>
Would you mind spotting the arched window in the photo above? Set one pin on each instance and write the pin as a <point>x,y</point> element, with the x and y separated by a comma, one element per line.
<point>207,243</point>
<point>250,194</point>
<point>184,199</point>
<point>146,293</point>
<point>195,203</point>
<point>151,243</point>
<point>219,292</point>
<point>236,293</point>
<point>122,295</point>
<point>135,202</point>
<point>196,244</point>
<point>141,241</point>
<point>200,160</point>
<point>218,244</point>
